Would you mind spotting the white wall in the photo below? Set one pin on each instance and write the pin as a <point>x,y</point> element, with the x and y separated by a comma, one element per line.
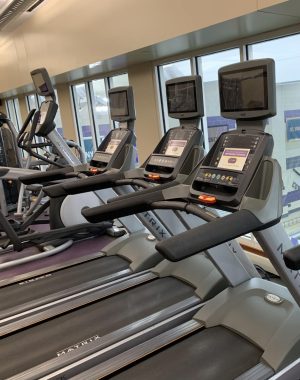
<point>64,35</point>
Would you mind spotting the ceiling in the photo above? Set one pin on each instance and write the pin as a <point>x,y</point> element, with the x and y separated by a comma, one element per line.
<point>14,12</point>
<point>279,16</point>
<point>272,18</point>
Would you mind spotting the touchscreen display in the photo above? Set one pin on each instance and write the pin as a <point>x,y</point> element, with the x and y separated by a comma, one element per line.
<point>118,103</point>
<point>244,90</point>
<point>112,146</point>
<point>233,158</point>
<point>181,97</point>
<point>175,147</point>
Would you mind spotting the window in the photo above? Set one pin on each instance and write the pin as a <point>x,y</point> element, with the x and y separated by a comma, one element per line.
<point>32,102</point>
<point>83,119</point>
<point>91,108</point>
<point>119,80</point>
<point>166,72</point>
<point>13,112</point>
<point>208,66</point>
<point>285,126</point>
<point>100,109</point>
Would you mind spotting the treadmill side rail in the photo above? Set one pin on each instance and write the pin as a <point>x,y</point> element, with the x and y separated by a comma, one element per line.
<point>291,372</point>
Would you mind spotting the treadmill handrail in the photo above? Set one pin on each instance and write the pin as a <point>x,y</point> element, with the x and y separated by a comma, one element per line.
<point>96,182</point>
<point>145,200</point>
<point>51,175</point>
<point>209,235</point>
<point>121,208</point>
<point>147,189</point>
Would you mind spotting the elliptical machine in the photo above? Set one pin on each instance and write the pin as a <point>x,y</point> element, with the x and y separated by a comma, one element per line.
<point>43,125</point>
<point>10,155</point>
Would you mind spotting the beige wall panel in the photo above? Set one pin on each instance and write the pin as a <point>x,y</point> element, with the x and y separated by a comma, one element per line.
<point>23,107</point>
<point>147,125</point>
<point>65,107</point>
<point>10,76</point>
<point>3,108</point>
<point>64,35</point>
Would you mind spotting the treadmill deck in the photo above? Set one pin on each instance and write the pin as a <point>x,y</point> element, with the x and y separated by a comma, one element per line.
<point>211,354</point>
<point>25,291</point>
<point>45,341</point>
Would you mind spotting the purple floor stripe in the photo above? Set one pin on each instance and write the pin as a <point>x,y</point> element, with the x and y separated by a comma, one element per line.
<point>77,250</point>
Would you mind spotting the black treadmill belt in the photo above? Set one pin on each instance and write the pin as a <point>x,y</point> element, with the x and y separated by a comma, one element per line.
<point>34,345</point>
<point>44,285</point>
<point>212,354</point>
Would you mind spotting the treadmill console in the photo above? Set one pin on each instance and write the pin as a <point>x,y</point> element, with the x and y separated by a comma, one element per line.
<point>109,149</point>
<point>176,151</point>
<point>229,167</point>
<point>111,152</point>
<point>170,154</point>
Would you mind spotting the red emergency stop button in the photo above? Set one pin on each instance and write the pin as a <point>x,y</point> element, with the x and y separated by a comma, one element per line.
<point>208,199</point>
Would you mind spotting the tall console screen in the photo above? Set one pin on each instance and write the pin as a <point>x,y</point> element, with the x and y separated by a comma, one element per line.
<point>121,110</point>
<point>247,94</point>
<point>181,97</point>
<point>185,102</point>
<point>42,82</point>
<point>118,102</point>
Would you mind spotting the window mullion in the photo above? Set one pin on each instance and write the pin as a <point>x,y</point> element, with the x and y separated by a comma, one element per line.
<point>91,114</point>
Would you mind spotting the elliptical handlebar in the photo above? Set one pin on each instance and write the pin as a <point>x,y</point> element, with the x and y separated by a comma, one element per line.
<point>21,134</point>
<point>25,140</point>
<point>77,147</point>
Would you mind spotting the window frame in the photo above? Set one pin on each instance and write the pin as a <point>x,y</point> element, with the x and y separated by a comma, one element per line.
<point>17,112</point>
<point>88,89</point>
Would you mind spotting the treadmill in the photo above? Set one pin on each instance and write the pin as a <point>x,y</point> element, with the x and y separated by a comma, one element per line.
<point>111,313</point>
<point>23,298</point>
<point>248,331</point>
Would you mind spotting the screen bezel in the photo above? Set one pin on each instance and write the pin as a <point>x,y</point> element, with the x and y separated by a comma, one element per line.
<point>44,73</point>
<point>268,66</point>
<point>198,93</point>
<point>130,104</point>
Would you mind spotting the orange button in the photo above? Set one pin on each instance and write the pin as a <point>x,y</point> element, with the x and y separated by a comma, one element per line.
<point>209,199</point>
<point>154,176</point>
<point>93,170</point>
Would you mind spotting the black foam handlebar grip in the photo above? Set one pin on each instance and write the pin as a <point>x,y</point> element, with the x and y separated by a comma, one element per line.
<point>208,235</point>
<point>292,258</point>
<point>120,208</point>
<point>42,177</point>
<point>55,191</point>
<point>97,182</point>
